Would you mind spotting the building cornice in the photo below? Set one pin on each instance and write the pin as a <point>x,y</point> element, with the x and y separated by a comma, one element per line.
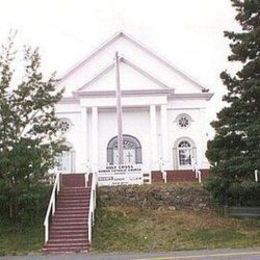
<point>75,99</point>
<point>112,93</point>
<point>69,100</point>
<point>186,96</point>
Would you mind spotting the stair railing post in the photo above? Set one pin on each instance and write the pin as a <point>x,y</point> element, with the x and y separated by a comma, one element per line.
<point>256,175</point>
<point>46,231</point>
<point>86,179</point>
<point>53,204</point>
<point>58,183</point>
<point>150,177</point>
<point>199,175</point>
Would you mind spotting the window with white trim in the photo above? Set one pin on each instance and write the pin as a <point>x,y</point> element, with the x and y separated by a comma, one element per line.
<point>65,125</point>
<point>184,153</point>
<point>66,161</point>
<point>183,121</point>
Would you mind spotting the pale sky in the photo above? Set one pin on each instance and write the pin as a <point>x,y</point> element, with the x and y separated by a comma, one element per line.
<point>188,33</point>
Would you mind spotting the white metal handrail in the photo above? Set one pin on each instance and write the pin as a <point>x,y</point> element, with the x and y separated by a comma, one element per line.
<point>52,206</point>
<point>256,175</point>
<point>197,172</point>
<point>164,173</point>
<point>92,205</point>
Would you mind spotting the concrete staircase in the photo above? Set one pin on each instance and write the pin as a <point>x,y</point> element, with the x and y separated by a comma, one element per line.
<point>69,226</point>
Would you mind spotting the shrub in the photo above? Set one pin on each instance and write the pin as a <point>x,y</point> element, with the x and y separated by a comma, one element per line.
<point>234,193</point>
<point>30,204</point>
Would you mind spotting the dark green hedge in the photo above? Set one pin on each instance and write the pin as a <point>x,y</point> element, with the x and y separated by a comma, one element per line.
<point>234,193</point>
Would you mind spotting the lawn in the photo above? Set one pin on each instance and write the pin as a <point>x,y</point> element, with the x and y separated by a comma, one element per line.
<point>16,239</point>
<point>135,229</point>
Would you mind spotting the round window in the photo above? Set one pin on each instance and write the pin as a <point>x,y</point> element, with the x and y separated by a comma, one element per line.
<point>64,125</point>
<point>183,121</point>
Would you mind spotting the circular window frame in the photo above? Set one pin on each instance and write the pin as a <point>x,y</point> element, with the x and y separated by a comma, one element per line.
<point>67,120</point>
<point>188,117</point>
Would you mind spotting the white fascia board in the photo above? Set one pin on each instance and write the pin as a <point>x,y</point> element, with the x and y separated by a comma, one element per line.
<point>138,45</point>
<point>198,96</point>
<point>162,60</point>
<point>131,65</point>
<point>112,93</point>
<point>97,77</point>
<point>94,53</point>
<point>126,101</point>
<point>144,73</point>
<point>69,100</point>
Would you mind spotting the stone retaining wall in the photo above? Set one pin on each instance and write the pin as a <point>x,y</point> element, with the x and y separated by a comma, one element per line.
<point>171,196</point>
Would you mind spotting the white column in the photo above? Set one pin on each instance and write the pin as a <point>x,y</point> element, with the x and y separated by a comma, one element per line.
<point>164,134</point>
<point>94,135</point>
<point>154,146</point>
<point>202,144</point>
<point>84,155</point>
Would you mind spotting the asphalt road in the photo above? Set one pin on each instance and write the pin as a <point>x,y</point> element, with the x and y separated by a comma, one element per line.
<point>220,254</point>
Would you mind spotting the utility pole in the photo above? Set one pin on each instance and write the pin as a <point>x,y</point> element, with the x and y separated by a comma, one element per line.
<point>119,114</point>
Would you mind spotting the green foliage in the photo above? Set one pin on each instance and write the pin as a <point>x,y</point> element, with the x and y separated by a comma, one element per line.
<point>30,139</point>
<point>234,153</point>
<point>30,203</point>
<point>243,193</point>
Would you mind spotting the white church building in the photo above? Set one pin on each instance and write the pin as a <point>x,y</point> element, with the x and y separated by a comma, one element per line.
<point>163,111</point>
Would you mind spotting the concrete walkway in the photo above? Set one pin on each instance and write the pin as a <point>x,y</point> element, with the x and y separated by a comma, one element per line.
<point>220,254</point>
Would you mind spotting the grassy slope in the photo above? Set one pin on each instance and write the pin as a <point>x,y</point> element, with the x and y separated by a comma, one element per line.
<point>17,240</point>
<point>132,229</point>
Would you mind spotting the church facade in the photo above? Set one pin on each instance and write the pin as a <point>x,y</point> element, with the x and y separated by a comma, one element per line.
<point>163,111</point>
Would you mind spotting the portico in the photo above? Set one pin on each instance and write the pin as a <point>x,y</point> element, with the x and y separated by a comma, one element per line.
<point>155,109</point>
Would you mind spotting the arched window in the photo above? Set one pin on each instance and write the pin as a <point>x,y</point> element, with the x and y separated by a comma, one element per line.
<point>132,150</point>
<point>184,153</point>
<point>66,161</point>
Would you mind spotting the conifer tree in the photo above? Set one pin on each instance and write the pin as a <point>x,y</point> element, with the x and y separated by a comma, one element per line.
<point>234,153</point>
<point>30,139</point>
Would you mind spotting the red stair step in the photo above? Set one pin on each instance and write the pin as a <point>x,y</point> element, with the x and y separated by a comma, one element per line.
<point>68,241</point>
<point>69,226</point>
<point>68,235</point>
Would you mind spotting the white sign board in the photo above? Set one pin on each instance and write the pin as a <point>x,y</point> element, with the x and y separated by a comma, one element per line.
<point>120,175</point>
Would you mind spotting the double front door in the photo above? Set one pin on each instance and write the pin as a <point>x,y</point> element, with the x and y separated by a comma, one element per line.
<point>128,156</point>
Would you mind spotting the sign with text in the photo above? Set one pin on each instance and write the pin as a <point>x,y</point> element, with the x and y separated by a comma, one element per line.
<point>121,175</point>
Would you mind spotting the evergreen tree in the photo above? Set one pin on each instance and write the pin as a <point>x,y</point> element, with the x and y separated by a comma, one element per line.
<point>234,153</point>
<point>30,139</point>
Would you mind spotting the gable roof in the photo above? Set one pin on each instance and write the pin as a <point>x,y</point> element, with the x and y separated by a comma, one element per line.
<point>141,47</point>
<point>131,65</point>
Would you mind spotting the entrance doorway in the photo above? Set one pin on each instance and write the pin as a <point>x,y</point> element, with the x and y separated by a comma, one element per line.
<point>132,150</point>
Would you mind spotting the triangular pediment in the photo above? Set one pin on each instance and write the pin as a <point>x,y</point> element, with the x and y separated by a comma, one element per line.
<point>132,77</point>
<point>146,70</point>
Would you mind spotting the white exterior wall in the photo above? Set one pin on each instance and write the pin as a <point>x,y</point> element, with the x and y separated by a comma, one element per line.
<point>136,122</point>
